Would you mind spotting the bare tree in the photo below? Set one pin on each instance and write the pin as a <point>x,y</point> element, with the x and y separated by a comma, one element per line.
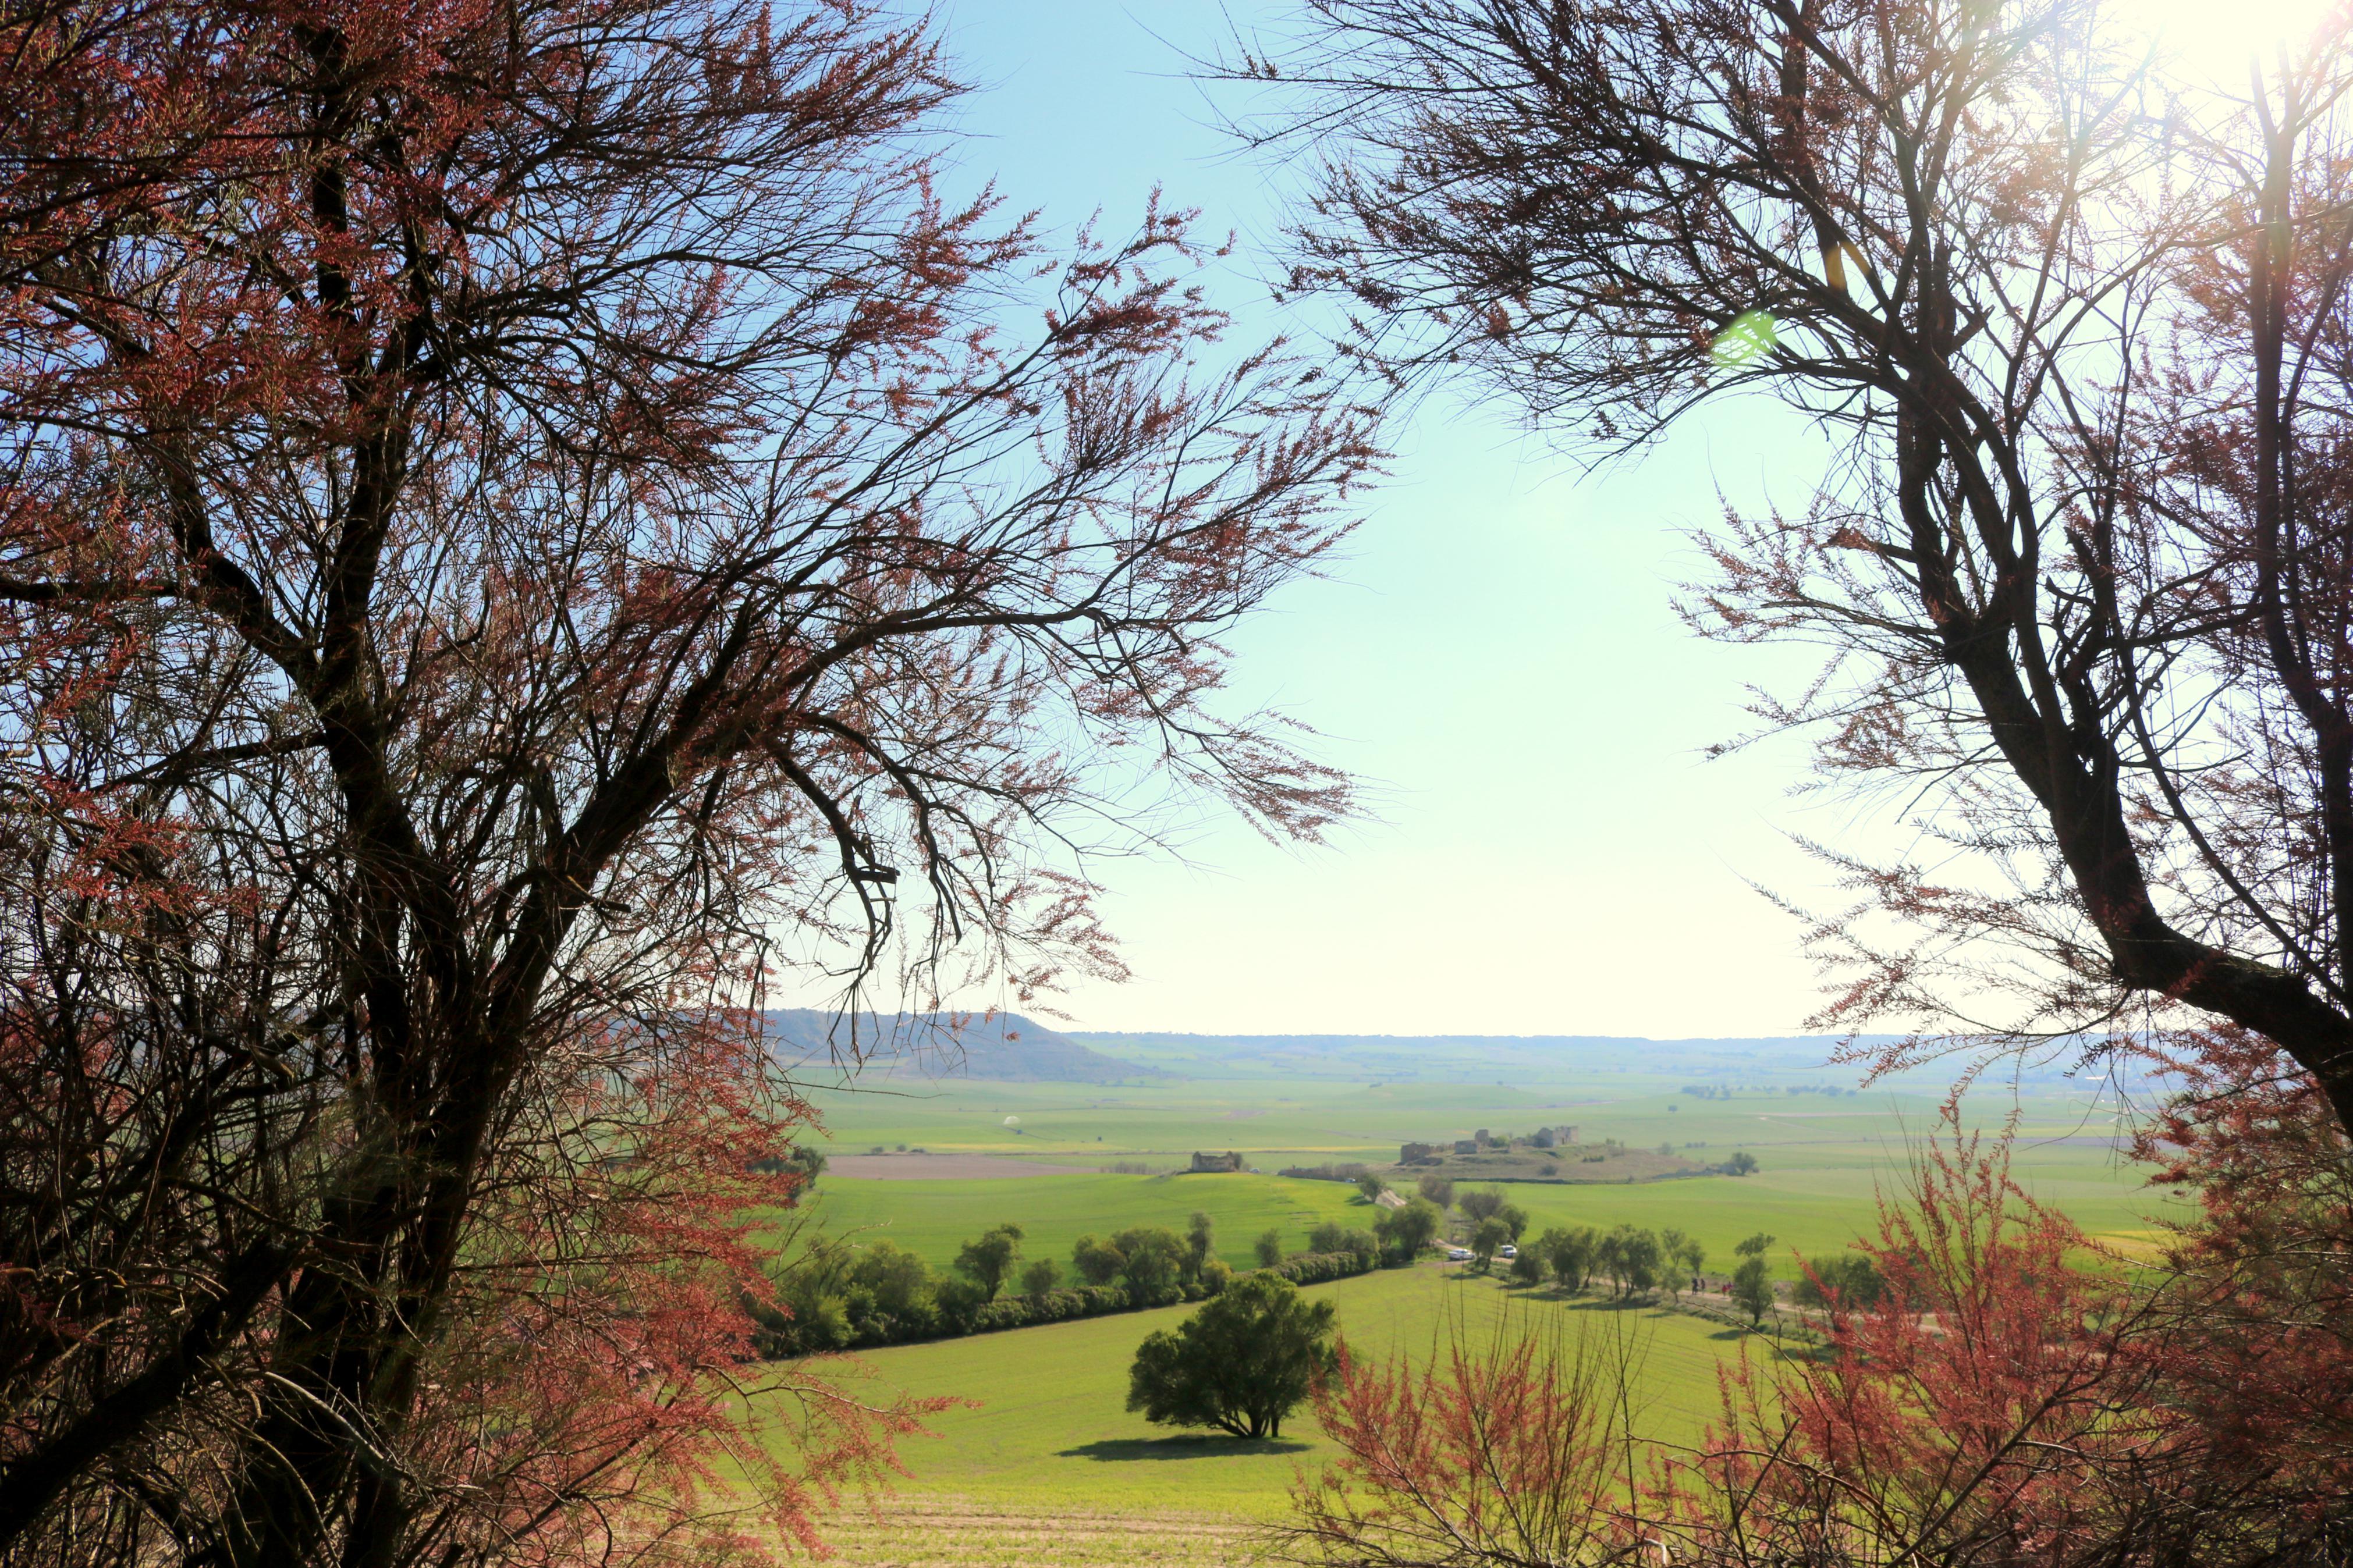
<point>2079,571</point>
<point>520,526</point>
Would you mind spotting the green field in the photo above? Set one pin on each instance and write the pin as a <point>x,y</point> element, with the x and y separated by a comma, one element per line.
<point>1048,1468</point>
<point>1822,1158</point>
<point>1050,1433</point>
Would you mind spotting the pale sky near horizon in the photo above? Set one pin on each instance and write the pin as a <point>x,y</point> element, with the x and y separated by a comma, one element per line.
<point>1496,656</point>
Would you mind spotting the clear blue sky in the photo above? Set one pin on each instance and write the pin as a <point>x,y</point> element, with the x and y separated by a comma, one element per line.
<point>1496,656</point>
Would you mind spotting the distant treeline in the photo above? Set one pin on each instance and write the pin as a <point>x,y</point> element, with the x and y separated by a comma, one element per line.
<point>1350,1173</point>
<point>1727,1090</point>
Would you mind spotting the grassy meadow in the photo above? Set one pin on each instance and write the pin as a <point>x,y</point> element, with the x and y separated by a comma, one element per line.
<point>1047,1466</point>
<point>1049,1439</point>
<point>1821,1158</point>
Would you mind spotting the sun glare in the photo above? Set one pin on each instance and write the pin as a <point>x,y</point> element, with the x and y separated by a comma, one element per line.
<point>2222,37</point>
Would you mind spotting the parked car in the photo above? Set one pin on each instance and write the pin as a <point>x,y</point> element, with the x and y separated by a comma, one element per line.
<point>1458,1255</point>
<point>1510,1250</point>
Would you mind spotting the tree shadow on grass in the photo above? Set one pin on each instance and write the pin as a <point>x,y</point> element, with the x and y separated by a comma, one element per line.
<point>1199,1446</point>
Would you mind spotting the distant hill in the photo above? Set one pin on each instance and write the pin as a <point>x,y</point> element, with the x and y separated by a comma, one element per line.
<point>1006,1048</point>
<point>1515,1058</point>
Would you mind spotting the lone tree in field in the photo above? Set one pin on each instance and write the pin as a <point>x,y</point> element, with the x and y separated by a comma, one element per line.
<point>1242,1364</point>
<point>2080,565</point>
<point>522,526</point>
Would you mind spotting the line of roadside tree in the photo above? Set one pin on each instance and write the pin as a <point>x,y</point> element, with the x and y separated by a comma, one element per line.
<point>1634,1260</point>
<point>1637,1260</point>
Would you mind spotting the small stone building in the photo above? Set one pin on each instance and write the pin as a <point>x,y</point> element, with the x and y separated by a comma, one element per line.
<point>1229,1160</point>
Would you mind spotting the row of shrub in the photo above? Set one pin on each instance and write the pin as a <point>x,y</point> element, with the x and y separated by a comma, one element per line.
<point>835,1295</point>
<point>1318,1267</point>
<point>1061,1306</point>
<point>1350,1173</point>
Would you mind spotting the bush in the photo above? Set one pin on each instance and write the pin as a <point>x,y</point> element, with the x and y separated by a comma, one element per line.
<point>1153,1267</point>
<point>1329,1236</point>
<point>799,1324</point>
<point>988,1261</point>
<point>1316,1268</point>
<point>1405,1232</point>
<point>1053,1307</point>
<point>1268,1247</point>
<point>960,1304</point>
<point>1349,1173</point>
<point>805,1159</point>
<point>1851,1276</point>
<point>1098,1261</point>
<point>835,1296</point>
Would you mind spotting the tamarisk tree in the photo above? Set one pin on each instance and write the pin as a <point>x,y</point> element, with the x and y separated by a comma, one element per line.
<point>520,524</point>
<point>2080,565</point>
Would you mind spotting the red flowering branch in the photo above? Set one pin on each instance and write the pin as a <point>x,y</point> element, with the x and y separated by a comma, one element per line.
<point>520,528</point>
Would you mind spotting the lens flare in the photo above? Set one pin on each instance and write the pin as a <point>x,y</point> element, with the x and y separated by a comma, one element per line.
<point>1751,334</point>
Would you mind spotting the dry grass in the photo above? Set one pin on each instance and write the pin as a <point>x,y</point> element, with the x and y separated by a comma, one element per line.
<point>939,1531</point>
